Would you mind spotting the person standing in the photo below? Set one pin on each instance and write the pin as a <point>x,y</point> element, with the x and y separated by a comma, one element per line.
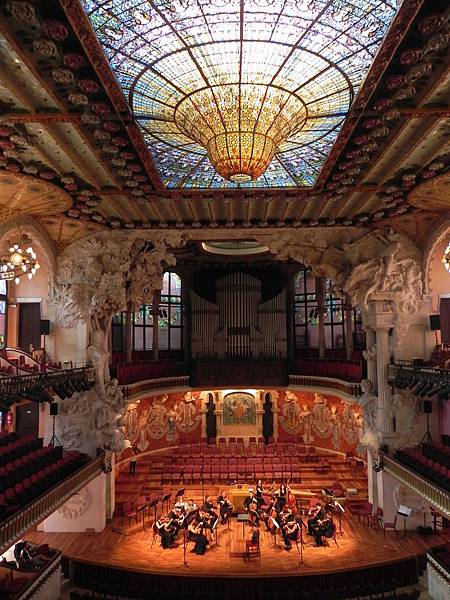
<point>133,461</point>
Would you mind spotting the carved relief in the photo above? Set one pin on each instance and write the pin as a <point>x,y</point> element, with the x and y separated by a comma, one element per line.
<point>76,506</point>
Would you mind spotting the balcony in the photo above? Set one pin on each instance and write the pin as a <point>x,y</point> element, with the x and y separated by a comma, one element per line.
<point>37,510</point>
<point>432,493</point>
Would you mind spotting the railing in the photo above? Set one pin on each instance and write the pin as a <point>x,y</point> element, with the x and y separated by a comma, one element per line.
<point>432,493</point>
<point>150,385</point>
<point>20,384</point>
<point>348,370</point>
<point>239,372</point>
<point>37,510</point>
<point>409,370</point>
<point>47,584</point>
<point>133,372</point>
<point>352,390</point>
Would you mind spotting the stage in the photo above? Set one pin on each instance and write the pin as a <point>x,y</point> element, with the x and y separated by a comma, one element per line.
<point>359,547</point>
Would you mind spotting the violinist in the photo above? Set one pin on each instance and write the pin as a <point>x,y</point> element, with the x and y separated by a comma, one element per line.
<point>325,528</point>
<point>167,532</point>
<point>180,504</point>
<point>284,492</point>
<point>209,507</point>
<point>177,517</point>
<point>224,506</point>
<point>290,531</point>
<point>315,515</point>
<point>195,533</point>
<point>251,506</point>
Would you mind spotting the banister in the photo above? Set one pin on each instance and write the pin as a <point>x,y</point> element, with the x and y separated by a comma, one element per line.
<point>36,511</point>
<point>326,383</point>
<point>436,496</point>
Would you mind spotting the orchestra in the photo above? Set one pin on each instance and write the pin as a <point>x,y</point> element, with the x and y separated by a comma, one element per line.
<point>279,512</point>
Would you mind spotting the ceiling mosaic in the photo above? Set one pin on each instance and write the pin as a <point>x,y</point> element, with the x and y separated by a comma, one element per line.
<point>204,78</point>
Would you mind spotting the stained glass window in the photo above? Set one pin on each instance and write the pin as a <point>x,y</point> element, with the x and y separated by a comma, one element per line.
<point>303,58</point>
<point>170,321</point>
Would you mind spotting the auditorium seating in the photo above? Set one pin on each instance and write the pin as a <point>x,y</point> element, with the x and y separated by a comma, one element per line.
<point>431,460</point>
<point>27,469</point>
<point>347,370</point>
<point>131,372</point>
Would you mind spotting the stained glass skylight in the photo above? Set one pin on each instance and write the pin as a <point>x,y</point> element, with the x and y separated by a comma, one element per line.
<point>176,60</point>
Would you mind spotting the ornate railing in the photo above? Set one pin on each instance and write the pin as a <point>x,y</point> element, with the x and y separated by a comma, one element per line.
<point>408,371</point>
<point>151,385</point>
<point>20,384</point>
<point>36,511</point>
<point>437,497</point>
<point>352,390</point>
<point>47,584</point>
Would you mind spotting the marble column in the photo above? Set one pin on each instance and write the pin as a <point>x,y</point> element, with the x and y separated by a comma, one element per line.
<point>383,390</point>
<point>155,312</point>
<point>320,297</point>
<point>370,356</point>
<point>348,319</point>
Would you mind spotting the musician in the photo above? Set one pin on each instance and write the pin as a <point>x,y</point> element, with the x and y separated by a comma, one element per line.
<point>251,506</point>
<point>325,528</point>
<point>284,492</point>
<point>180,504</point>
<point>259,493</point>
<point>290,532</point>
<point>224,506</point>
<point>166,531</point>
<point>273,511</point>
<point>176,515</point>
<point>315,515</point>
<point>195,533</point>
<point>208,506</point>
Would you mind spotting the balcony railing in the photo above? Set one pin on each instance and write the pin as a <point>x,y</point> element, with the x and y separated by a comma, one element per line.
<point>437,497</point>
<point>36,511</point>
<point>352,390</point>
<point>150,385</point>
<point>46,584</point>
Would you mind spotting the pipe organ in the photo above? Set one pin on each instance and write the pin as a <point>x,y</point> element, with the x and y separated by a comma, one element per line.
<point>238,324</point>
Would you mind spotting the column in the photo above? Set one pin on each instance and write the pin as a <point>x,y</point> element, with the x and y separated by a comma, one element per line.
<point>128,337</point>
<point>155,312</point>
<point>186,302</point>
<point>383,389</point>
<point>320,297</point>
<point>370,356</point>
<point>348,320</point>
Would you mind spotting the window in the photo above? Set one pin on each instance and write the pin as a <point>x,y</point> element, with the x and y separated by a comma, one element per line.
<point>306,315</point>
<point>170,321</point>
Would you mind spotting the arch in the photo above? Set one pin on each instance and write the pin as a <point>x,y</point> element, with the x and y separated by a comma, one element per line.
<point>441,231</point>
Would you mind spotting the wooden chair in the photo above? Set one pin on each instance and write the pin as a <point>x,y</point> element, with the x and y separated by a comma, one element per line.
<point>332,536</point>
<point>390,525</point>
<point>376,518</point>
<point>130,513</point>
<point>252,549</point>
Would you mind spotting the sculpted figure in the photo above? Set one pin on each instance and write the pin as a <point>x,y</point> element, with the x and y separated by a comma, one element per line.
<point>368,402</point>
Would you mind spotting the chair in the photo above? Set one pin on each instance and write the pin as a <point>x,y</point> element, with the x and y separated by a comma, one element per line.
<point>376,518</point>
<point>390,525</point>
<point>252,547</point>
<point>324,538</point>
<point>130,513</point>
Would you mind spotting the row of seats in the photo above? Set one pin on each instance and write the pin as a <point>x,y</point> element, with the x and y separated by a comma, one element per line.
<point>413,458</point>
<point>50,467</point>
<point>438,452</point>
<point>20,468</point>
<point>18,448</point>
<point>236,447</point>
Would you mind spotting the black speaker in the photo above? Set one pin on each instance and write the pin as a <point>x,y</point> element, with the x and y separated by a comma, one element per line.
<point>427,407</point>
<point>435,322</point>
<point>53,409</point>
<point>45,327</point>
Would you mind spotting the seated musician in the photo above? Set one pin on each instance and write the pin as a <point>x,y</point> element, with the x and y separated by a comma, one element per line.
<point>251,506</point>
<point>290,532</point>
<point>208,506</point>
<point>180,504</point>
<point>325,528</point>
<point>315,515</point>
<point>176,515</point>
<point>195,534</point>
<point>272,511</point>
<point>224,506</point>
<point>167,532</point>
<point>287,515</point>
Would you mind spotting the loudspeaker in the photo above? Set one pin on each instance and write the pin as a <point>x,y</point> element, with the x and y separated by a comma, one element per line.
<point>384,448</point>
<point>54,409</point>
<point>427,407</point>
<point>45,327</point>
<point>435,322</point>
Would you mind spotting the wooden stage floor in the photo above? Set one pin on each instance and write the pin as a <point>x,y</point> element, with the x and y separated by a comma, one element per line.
<point>359,547</point>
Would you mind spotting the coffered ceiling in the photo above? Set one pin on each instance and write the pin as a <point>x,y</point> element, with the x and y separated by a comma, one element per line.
<point>67,122</point>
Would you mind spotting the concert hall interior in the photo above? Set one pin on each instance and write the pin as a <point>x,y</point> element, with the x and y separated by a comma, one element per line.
<point>224,299</point>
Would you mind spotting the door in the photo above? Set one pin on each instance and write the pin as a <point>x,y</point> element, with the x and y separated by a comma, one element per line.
<point>29,325</point>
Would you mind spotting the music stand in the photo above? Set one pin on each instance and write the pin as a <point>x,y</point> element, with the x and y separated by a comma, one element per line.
<point>152,504</point>
<point>185,541</point>
<point>404,511</point>
<point>229,514</point>
<point>166,498</point>
<point>276,527</point>
<point>340,509</point>
<point>179,493</point>
<point>214,532</point>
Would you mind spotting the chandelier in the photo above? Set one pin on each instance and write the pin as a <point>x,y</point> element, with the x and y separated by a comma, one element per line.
<point>446,258</point>
<point>240,126</point>
<point>21,260</point>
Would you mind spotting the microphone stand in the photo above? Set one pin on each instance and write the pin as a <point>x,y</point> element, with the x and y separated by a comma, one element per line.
<point>185,564</point>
